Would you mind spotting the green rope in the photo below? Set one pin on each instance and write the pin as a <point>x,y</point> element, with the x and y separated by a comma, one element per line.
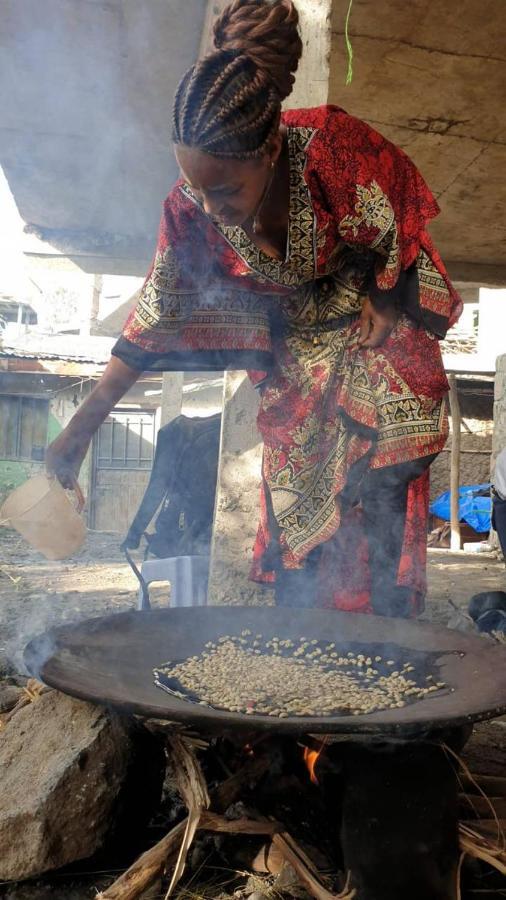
<point>349,48</point>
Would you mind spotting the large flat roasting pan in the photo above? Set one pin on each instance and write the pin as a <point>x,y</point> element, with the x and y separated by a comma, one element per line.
<point>109,660</point>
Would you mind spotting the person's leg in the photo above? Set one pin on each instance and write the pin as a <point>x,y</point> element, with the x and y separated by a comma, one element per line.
<point>384,496</point>
<point>499,521</point>
<point>298,587</point>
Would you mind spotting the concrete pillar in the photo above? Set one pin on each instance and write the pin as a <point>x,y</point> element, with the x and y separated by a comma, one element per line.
<point>499,435</point>
<point>237,508</point>
<point>172,396</point>
<point>499,438</point>
<point>237,499</point>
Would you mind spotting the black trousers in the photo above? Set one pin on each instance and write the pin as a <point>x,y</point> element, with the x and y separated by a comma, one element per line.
<point>499,520</point>
<point>383,494</point>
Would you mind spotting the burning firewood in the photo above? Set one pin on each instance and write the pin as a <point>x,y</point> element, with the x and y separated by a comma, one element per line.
<point>152,863</point>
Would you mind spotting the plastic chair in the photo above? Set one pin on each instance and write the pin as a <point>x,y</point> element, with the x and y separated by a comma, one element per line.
<point>187,575</point>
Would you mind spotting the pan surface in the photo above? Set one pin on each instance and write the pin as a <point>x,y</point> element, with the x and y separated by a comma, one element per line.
<point>110,660</point>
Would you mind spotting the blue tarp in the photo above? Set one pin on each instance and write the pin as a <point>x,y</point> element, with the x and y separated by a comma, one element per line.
<point>474,509</point>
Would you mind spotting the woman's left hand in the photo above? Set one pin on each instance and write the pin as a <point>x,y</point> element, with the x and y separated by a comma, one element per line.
<point>376,324</point>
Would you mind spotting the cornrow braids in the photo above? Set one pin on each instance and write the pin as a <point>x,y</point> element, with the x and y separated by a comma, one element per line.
<point>224,134</point>
<point>229,103</point>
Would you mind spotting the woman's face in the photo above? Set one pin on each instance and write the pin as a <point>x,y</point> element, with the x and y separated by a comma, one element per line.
<point>230,190</point>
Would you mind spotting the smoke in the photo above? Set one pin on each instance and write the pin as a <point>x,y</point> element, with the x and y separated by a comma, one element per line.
<point>36,653</point>
<point>85,132</point>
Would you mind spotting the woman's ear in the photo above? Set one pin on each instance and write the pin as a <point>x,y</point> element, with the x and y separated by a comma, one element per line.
<point>275,148</point>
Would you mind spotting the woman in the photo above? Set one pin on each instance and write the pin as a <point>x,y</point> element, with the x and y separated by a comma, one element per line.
<point>295,245</point>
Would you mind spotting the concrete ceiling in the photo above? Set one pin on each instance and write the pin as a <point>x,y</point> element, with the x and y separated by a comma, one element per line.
<point>85,111</point>
<point>431,76</point>
<point>87,91</point>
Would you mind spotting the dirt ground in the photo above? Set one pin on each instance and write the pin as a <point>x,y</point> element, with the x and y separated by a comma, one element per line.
<point>36,594</point>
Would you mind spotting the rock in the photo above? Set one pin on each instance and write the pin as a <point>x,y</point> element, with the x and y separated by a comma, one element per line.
<point>63,768</point>
<point>288,883</point>
<point>255,887</point>
<point>9,696</point>
<point>459,620</point>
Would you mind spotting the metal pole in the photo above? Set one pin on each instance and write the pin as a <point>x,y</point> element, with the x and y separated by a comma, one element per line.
<point>455,465</point>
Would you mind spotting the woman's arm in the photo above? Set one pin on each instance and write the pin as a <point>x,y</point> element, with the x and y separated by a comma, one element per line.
<point>65,455</point>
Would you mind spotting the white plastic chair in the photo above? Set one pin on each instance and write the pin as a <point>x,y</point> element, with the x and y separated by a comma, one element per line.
<point>187,576</point>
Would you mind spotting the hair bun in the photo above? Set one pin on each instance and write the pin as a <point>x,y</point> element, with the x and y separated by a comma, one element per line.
<point>267,32</point>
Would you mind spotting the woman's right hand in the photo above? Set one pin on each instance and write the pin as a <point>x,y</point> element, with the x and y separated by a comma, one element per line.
<point>65,455</point>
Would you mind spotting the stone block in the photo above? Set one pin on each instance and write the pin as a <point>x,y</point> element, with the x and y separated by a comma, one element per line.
<point>63,764</point>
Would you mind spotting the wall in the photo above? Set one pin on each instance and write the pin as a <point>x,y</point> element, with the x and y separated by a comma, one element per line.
<point>476,398</point>
<point>475,454</point>
<point>14,472</point>
<point>61,409</point>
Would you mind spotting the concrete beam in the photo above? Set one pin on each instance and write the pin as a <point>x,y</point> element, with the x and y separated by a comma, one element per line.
<point>483,275</point>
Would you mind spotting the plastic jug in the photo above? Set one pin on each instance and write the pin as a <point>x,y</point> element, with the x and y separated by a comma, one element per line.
<point>41,511</point>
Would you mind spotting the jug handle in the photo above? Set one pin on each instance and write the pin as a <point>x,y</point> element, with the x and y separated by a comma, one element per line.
<point>76,487</point>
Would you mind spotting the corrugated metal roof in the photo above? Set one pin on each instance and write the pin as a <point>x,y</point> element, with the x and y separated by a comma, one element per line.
<point>68,348</point>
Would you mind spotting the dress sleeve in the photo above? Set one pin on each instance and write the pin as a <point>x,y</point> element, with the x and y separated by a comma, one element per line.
<point>381,203</point>
<point>188,316</point>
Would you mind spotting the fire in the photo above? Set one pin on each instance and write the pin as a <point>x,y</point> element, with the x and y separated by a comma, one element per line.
<point>311,757</point>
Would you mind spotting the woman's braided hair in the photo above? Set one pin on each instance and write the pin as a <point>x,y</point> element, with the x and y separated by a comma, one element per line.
<point>229,102</point>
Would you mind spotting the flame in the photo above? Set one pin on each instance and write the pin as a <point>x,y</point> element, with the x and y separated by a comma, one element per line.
<point>311,757</point>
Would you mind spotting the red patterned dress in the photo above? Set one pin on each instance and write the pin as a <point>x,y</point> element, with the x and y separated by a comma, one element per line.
<point>213,300</point>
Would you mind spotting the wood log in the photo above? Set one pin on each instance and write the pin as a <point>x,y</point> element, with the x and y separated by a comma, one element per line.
<point>479,847</point>
<point>210,821</point>
<point>145,870</point>
<point>491,785</point>
<point>302,865</point>
<point>475,806</point>
<point>487,828</point>
<point>193,789</point>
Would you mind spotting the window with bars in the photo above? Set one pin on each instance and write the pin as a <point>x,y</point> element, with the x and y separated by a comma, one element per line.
<point>23,427</point>
<point>126,440</point>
